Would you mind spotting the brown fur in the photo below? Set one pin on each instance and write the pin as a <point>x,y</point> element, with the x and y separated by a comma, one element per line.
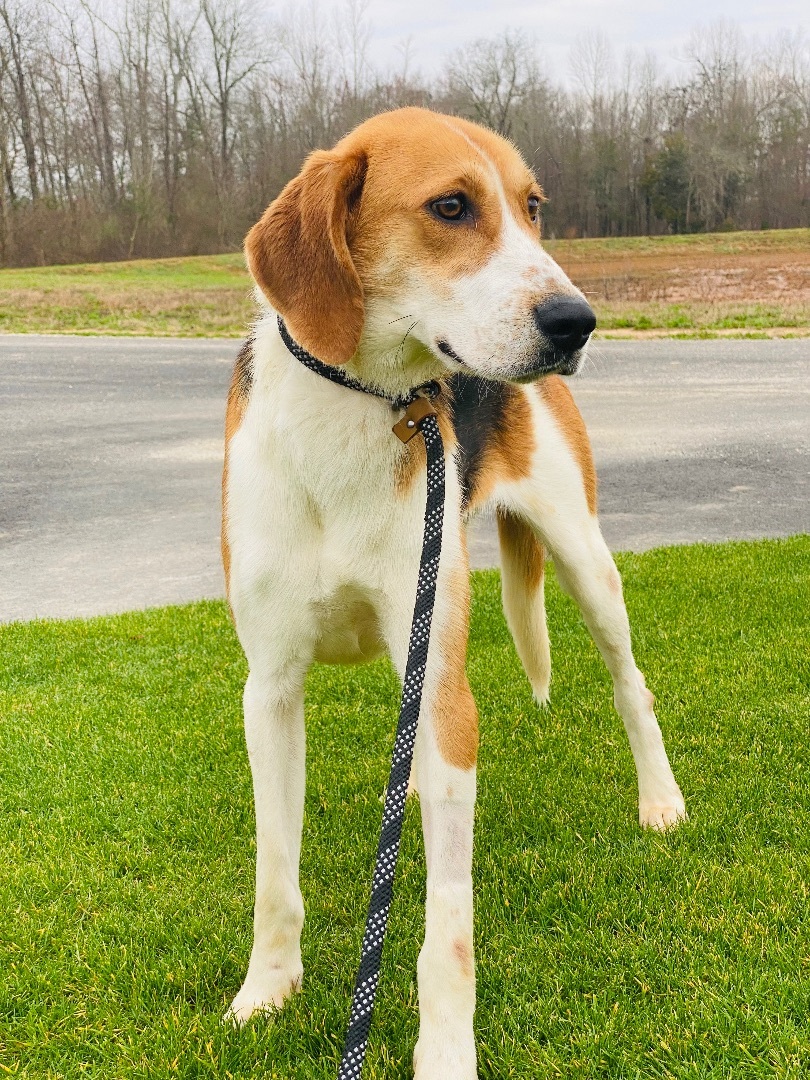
<point>238,394</point>
<point>434,155</point>
<point>455,715</point>
<point>521,548</point>
<point>560,401</point>
<point>508,453</point>
<point>464,955</point>
<point>313,284</point>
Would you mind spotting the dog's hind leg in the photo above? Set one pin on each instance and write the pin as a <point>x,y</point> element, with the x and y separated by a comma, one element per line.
<point>274,731</point>
<point>586,571</point>
<point>522,589</point>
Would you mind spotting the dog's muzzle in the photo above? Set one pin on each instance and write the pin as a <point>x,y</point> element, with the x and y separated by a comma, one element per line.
<point>565,324</point>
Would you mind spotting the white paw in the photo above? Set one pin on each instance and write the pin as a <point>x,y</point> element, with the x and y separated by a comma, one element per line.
<point>662,815</point>
<point>541,691</point>
<point>543,698</point>
<point>447,1059</point>
<point>266,997</point>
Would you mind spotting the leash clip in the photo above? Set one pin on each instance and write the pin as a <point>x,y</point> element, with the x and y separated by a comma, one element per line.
<point>408,426</point>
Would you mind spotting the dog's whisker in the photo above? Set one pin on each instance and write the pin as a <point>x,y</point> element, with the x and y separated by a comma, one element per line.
<point>401,346</point>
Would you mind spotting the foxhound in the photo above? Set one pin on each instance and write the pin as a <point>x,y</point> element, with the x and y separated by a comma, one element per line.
<point>410,252</point>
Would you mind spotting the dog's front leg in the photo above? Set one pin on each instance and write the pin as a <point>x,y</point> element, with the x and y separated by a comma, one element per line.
<point>585,570</point>
<point>444,772</point>
<point>274,731</point>
<point>446,966</point>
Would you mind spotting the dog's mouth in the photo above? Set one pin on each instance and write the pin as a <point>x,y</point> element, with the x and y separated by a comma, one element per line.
<point>555,364</point>
<point>549,362</point>
<point>444,347</point>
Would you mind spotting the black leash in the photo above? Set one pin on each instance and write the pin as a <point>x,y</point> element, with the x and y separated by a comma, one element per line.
<point>419,416</point>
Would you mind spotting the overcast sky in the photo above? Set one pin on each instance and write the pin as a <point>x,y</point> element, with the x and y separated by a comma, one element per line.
<point>436,27</point>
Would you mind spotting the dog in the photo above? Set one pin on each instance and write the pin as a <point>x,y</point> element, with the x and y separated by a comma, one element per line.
<point>410,252</point>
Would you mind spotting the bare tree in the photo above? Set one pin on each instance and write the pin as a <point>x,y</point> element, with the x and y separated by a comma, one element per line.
<point>494,76</point>
<point>149,127</point>
<point>17,53</point>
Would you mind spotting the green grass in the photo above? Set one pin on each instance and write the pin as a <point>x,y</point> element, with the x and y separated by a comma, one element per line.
<point>771,241</point>
<point>201,296</point>
<point>127,833</point>
<point>210,296</point>
<point>702,318</point>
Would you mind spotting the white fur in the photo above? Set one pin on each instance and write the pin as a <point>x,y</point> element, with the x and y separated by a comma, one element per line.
<point>553,501</point>
<point>315,532</point>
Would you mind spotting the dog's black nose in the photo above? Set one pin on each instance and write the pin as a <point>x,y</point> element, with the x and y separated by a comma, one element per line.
<point>566,321</point>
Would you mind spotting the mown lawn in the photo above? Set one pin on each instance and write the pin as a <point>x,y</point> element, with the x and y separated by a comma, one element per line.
<point>701,285</point>
<point>202,296</point>
<point>126,883</point>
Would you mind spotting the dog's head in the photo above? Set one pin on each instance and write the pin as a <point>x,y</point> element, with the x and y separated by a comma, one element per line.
<point>418,237</point>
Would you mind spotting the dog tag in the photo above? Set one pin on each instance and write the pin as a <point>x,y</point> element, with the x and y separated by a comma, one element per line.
<point>407,427</point>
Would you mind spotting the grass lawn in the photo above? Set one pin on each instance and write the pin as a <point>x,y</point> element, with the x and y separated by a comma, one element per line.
<point>127,832</point>
<point>740,284</point>
<point>204,296</point>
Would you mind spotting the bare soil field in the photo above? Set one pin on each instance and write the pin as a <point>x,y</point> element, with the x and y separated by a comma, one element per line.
<point>723,284</point>
<point>715,284</point>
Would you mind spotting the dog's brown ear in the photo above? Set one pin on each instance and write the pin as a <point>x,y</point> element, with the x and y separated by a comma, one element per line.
<point>298,254</point>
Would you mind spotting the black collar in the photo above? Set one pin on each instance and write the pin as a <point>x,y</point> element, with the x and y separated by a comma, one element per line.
<point>338,375</point>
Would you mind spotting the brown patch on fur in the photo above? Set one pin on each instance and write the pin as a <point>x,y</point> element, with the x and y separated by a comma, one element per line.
<point>508,447</point>
<point>559,400</point>
<point>298,254</point>
<point>614,582</point>
<point>415,156</point>
<point>238,394</point>
<point>412,459</point>
<point>521,548</point>
<point>464,955</point>
<point>455,715</point>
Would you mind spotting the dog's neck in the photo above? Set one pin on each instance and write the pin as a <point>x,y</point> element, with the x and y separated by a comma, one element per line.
<point>340,376</point>
<point>394,361</point>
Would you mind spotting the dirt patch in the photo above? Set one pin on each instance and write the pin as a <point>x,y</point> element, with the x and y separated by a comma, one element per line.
<point>779,278</point>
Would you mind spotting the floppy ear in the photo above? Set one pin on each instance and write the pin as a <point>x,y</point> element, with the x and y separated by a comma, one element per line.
<point>298,254</point>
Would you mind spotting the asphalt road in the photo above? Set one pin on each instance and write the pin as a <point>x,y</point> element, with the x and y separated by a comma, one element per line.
<point>110,457</point>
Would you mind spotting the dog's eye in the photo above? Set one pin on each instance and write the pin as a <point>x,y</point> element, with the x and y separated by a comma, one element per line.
<point>450,208</point>
<point>534,207</point>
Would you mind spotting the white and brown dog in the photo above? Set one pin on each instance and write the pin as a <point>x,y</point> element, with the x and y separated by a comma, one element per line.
<point>410,252</point>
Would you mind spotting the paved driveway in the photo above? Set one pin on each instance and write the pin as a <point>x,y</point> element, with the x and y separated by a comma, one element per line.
<point>110,454</point>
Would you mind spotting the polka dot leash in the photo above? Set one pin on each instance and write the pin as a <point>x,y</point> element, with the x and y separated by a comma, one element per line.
<point>382,887</point>
<point>419,417</point>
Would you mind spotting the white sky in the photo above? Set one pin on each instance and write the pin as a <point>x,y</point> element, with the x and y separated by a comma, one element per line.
<point>436,27</point>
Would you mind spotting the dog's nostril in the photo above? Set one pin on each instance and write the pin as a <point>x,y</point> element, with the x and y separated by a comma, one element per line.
<point>566,321</point>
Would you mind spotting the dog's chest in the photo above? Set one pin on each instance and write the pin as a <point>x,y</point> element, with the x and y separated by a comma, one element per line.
<point>313,494</point>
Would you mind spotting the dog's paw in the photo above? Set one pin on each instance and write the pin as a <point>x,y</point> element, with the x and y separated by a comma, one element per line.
<point>662,815</point>
<point>266,998</point>
<point>445,1059</point>
<point>542,694</point>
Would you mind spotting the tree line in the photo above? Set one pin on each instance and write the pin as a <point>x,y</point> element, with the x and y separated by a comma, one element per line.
<point>164,127</point>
